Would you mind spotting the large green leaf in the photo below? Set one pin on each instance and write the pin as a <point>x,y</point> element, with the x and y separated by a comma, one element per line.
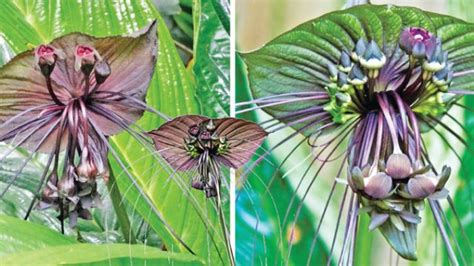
<point>17,235</point>
<point>28,23</point>
<point>299,57</point>
<point>108,254</point>
<point>212,56</point>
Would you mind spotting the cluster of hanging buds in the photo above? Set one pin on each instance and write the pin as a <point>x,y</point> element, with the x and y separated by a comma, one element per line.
<point>418,71</point>
<point>198,143</point>
<point>69,96</point>
<point>393,94</point>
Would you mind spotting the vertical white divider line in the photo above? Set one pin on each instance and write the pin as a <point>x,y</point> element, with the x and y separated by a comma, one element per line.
<point>232,113</point>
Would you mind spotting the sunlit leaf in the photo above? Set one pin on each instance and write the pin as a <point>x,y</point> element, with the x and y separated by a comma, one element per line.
<point>108,254</point>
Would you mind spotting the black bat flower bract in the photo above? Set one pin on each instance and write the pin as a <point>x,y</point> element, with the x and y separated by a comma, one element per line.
<point>197,142</point>
<point>67,97</point>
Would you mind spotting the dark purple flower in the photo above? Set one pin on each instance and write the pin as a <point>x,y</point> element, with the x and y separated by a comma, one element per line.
<point>69,96</point>
<point>380,95</point>
<point>197,142</point>
<point>418,42</point>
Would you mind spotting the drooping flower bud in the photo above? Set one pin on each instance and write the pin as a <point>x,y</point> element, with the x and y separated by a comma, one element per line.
<point>373,59</point>
<point>205,135</point>
<point>345,62</point>
<point>197,183</point>
<point>85,58</point>
<point>66,186</point>
<point>194,130</point>
<point>46,56</point>
<point>102,71</point>
<point>437,61</point>
<point>332,69</point>
<point>87,168</point>
<point>376,186</point>
<point>443,77</point>
<point>428,185</point>
<point>359,50</point>
<point>357,77</point>
<point>398,166</point>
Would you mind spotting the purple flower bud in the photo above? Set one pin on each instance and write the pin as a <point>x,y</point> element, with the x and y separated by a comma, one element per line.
<point>378,186</point>
<point>194,130</point>
<point>102,71</point>
<point>66,185</point>
<point>205,135</point>
<point>398,166</point>
<point>417,42</point>
<point>87,169</point>
<point>345,62</point>
<point>85,58</point>
<point>46,56</point>
<point>197,183</point>
<point>421,186</point>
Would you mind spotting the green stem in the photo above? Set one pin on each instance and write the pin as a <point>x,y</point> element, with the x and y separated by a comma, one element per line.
<point>120,209</point>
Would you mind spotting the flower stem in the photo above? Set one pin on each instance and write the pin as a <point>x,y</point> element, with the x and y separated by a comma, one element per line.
<point>120,209</point>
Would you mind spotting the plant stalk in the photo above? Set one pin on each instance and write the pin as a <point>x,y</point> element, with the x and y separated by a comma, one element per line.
<point>119,208</point>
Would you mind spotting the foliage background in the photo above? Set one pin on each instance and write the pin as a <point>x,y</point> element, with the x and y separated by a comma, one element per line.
<point>259,228</point>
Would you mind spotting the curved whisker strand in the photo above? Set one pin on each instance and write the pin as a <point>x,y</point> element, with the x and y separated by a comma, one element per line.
<point>450,230</point>
<point>278,169</point>
<point>442,230</point>
<point>145,197</point>
<point>341,210</point>
<point>458,220</point>
<point>222,219</point>
<point>140,103</point>
<point>298,211</point>
<point>315,237</point>
<point>8,121</point>
<point>322,117</point>
<point>296,94</point>
<point>188,194</point>
<point>36,148</point>
<point>21,142</point>
<point>38,189</point>
<point>348,130</point>
<point>311,110</point>
<point>286,101</point>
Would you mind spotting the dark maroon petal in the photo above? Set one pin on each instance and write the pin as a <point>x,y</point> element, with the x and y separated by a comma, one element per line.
<point>25,99</point>
<point>421,187</point>
<point>378,186</point>
<point>243,137</point>
<point>132,61</point>
<point>170,139</point>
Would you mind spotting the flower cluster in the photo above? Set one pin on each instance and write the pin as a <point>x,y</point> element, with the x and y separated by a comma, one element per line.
<point>199,143</point>
<point>391,91</point>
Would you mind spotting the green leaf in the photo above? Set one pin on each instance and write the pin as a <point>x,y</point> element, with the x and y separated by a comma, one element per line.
<point>31,23</point>
<point>109,254</point>
<point>18,235</point>
<point>212,61</point>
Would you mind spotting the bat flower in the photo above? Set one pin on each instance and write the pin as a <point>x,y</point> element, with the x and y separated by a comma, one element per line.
<point>65,99</point>
<point>371,81</point>
<point>194,142</point>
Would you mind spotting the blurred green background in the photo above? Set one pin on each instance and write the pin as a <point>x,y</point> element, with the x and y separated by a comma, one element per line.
<point>262,204</point>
